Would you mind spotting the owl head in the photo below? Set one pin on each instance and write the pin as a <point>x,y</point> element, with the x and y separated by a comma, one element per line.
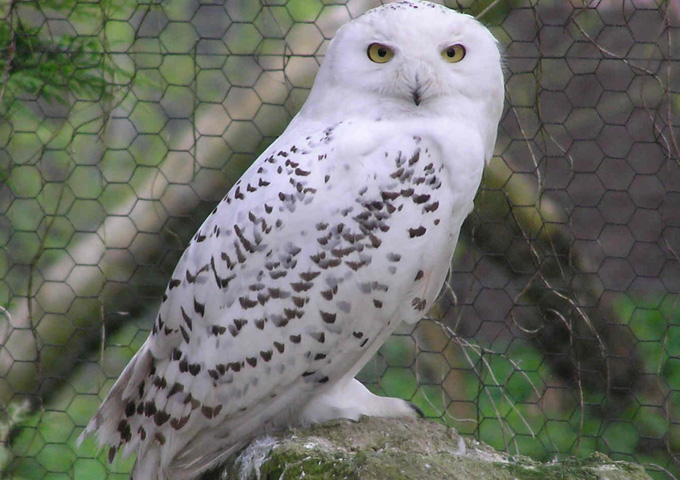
<point>411,59</point>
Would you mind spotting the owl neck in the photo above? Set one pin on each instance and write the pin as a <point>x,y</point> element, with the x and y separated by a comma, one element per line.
<point>331,106</point>
<point>338,104</point>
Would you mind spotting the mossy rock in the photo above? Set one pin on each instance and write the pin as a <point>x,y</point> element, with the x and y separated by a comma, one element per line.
<point>382,449</point>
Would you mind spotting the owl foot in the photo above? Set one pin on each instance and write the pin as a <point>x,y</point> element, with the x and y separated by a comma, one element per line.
<point>416,409</point>
<point>350,399</point>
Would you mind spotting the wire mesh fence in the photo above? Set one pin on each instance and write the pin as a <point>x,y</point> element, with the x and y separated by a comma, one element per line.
<point>124,122</point>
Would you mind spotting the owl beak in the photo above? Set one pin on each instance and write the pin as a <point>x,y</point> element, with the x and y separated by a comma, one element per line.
<point>415,94</point>
<point>416,79</point>
<point>418,89</point>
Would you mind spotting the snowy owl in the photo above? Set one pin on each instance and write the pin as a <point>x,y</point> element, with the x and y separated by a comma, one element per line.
<point>343,228</point>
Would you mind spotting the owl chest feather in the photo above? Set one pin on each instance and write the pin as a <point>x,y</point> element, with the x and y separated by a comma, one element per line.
<point>311,260</point>
<point>352,230</point>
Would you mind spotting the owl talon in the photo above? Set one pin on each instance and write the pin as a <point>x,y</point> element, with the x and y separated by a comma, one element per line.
<point>416,409</point>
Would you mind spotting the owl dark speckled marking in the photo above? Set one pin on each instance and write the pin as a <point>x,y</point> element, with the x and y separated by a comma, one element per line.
<point>343,228</point>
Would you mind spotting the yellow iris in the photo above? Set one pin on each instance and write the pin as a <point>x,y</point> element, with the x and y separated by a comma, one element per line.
<point>454,53</point>
<point>379,53</point>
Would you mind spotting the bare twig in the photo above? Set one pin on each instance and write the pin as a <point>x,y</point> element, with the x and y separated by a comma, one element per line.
<point>481,352</point>
<point>659,468</point>
<point>487,9</point>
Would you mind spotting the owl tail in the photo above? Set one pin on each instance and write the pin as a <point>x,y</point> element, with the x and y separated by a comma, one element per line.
<point>191,466</point>
<point>148,467</point>
<point>106,423</point>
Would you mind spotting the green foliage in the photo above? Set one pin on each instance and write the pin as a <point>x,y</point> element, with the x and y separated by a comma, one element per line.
<point>55,68</point>
<point>50,70</point>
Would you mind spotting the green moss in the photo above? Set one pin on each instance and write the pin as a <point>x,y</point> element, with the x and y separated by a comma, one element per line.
<point>597,466</point>
<point>376,448</point>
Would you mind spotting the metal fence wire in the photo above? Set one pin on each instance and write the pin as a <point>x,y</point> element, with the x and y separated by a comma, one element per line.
<point>125,121</point>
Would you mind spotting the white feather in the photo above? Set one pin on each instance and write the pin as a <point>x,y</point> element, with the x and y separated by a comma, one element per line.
<point>344,227</point>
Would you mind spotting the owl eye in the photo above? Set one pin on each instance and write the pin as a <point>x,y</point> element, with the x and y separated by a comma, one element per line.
<point>379,53</point>
<point>454,53</point>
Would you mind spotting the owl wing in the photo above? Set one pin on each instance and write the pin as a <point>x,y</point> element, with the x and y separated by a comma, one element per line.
<point>295,279</point>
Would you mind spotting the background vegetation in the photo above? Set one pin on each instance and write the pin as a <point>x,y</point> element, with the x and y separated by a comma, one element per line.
<point>122,123</point>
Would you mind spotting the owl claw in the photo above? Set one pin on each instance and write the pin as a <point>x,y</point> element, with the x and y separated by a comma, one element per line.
<point>416,409</point>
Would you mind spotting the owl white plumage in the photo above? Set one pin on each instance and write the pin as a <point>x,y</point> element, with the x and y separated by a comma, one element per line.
<point>343,228</point>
